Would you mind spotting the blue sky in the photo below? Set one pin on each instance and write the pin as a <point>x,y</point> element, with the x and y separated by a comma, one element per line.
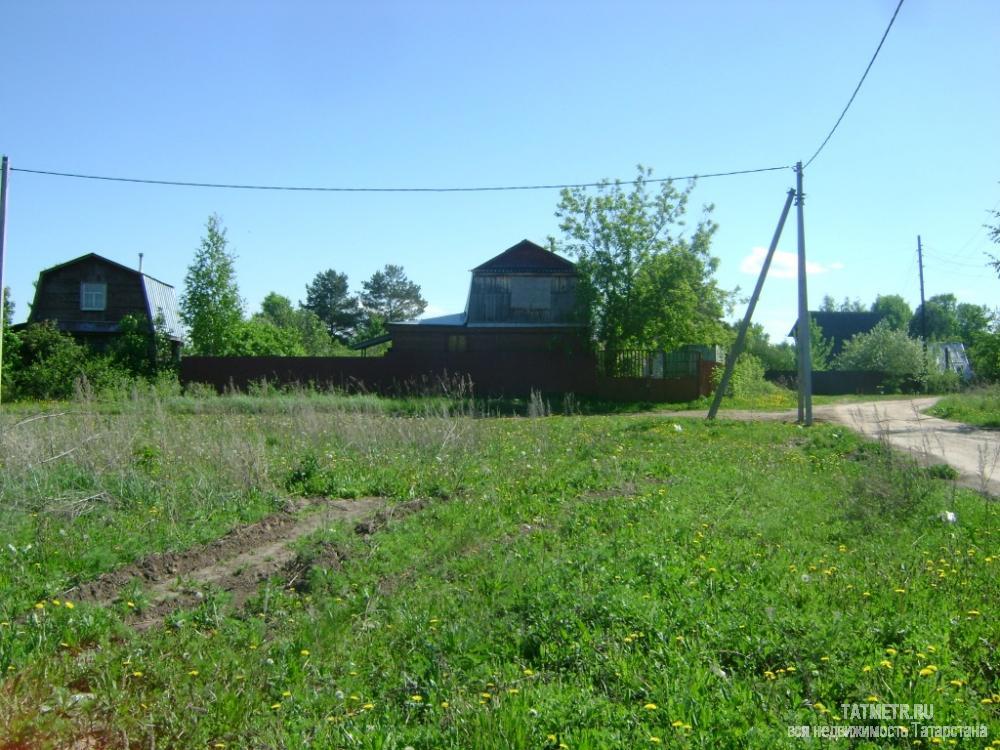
<point>486,93</point>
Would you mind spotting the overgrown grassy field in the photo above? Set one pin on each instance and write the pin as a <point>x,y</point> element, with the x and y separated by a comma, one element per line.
<point>577,582</point>
<point>979,407</point>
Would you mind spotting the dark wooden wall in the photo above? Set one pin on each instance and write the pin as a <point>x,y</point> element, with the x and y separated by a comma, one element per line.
<point>417,339</point>
<point>495,298</point>
<point>58,294</point>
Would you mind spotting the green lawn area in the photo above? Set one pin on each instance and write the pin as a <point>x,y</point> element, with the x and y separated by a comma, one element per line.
<point>578,582</point>
<point>979,407</point>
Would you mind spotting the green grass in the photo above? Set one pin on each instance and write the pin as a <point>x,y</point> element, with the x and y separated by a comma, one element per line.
<point>593,582</point>
<point>979,407</point>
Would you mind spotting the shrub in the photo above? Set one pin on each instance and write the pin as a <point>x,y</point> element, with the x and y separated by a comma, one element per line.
<point>948,381</point>
<point>887,351</point>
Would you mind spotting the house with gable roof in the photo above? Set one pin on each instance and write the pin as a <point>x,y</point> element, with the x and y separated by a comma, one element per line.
<point>522,300</point>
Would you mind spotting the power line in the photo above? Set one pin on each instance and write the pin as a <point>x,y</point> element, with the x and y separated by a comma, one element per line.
<point>318,189</point>
<point>858,87</point>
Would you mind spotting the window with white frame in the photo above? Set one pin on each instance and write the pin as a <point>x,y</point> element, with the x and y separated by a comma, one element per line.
<point>93,296</point>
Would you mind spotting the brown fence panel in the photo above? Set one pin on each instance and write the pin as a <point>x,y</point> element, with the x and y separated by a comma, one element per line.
<point>491,373</point>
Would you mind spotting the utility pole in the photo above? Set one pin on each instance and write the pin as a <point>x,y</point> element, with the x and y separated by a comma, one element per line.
<point>803,338</point>
<point>5,167</point>
<point>923,303</point>
<point>742,335</point>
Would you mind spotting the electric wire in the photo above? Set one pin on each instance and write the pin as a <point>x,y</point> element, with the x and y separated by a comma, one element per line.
<point>321,189</point>
<point>856,88</point>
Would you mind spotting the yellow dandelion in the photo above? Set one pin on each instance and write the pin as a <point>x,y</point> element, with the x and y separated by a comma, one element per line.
<point>56,602</point>
<point>900,591</point>
<point>193,673</point>
<point>873,699</point>
<point>655,740</point>
<point>926,672</point>
<point>130,605</point>
<point>824,658</point>
<point>368,706</point>
<point>68,605</point>
<point>275,706</point>
<point>40,605</point>
<point>789,669</point>
<point>527,672</point>
<point>286,693</point>
<point>417,698</point>
<point>677,723</point>
<point>513,691</point>
<point>973,613</point>
<point>137,673</point>
<point>866,594</point>
<point>885,663</point>
<point>956,683</point>
<point>445,704</point>
<point>866,668</point>
<point>891,651</point>
<point>650,707</point>
<point>304,652</point>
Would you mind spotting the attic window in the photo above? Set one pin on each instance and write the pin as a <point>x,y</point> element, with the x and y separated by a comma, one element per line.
<point>93,296</point>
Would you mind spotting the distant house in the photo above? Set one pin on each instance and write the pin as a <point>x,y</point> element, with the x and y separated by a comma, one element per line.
<point>840,327</point>
<point>88,297</point>
<point>524,299</point>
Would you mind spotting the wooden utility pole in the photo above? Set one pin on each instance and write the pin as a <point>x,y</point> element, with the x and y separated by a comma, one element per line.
<point>742,335</point>
<point>923,302</point>
<point>803,337</point>
<point>3,235</point>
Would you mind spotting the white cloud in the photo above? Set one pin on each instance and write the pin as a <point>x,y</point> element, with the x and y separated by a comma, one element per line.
<point>783,265</point>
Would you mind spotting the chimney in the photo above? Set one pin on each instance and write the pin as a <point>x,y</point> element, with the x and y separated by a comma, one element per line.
<point>140,262</point>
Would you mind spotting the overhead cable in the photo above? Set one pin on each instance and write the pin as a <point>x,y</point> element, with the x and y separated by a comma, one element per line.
<point>320,189</point>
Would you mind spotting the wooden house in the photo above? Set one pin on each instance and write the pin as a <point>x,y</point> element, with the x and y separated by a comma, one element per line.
<point>841,327</point>
<point>524,299</point>
<point>88,297</point>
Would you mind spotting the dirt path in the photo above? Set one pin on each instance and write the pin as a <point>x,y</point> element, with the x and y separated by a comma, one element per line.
<point>239,561</point>
<point>973,452</point>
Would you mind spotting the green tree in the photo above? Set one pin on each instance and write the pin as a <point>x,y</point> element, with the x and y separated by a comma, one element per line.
<point>629,249</point>
<point>8,308</point>
<point>829,304</point>
<point>893,309</point>
<point>391,296</point>
<point>884,350</point>
<point>820,347</point>
<point>329,298</point>
<point>308,330</point>
<point>942,319</point>
<point>260,338</point>
<point>772,356</point>
<point>973,321</point>
<point>211,306</point>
